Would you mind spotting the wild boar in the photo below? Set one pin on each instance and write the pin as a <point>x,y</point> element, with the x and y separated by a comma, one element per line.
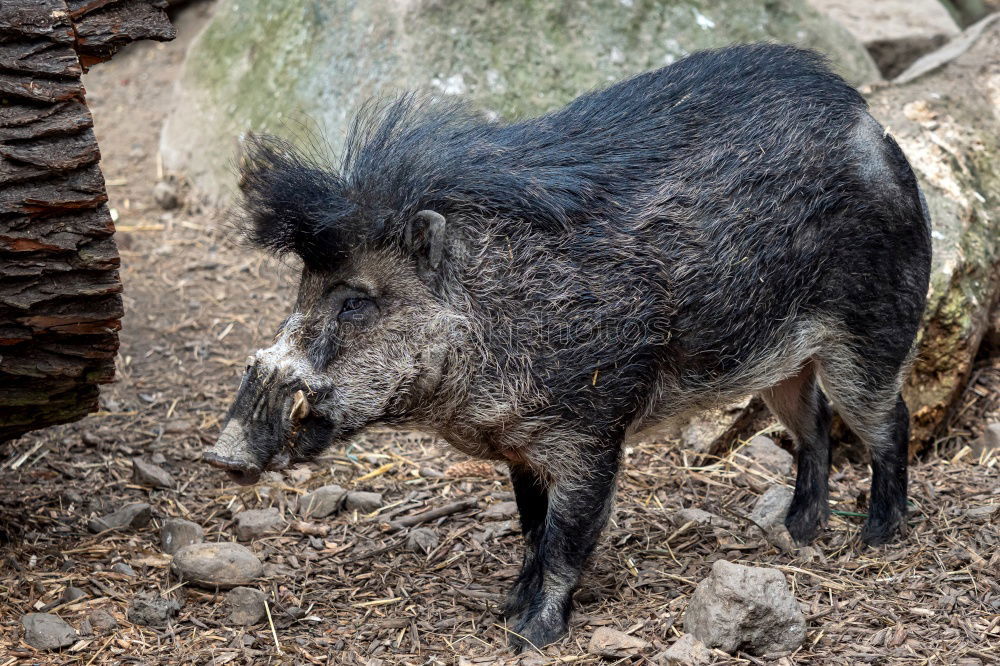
<point>536,292</point>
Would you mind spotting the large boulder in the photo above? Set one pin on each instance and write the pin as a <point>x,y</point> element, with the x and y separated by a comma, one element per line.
<point>284,66</point>
<point>948,124</point>
<point>895,32</point>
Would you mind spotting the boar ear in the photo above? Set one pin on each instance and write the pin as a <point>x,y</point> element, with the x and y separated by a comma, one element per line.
<point>425,237</point>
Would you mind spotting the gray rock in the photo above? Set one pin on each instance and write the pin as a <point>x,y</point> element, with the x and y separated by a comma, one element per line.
<point>152,610</point>
<point>147,474</point>
<point>988,441</point>
<point>499,511</point>
<point>322,502</point>
<point>165,194</point>
<point>158,459</point>
<point>745,608</point>
<point>44,631</point>
<point>700,517</point>
<point>687,651</point>
<point>124,569</point>
<point>715,429</point>
<point>895,32</point>
<point>177,533</point>
<point>246,605</point>
<point>363,502</point>
<point>422,540</point>
<point>256,523</point>
<point>950,51</point>
<point>130,516</point>
<point>763,453</point>
<point>613,644</point>
<point>212,565</point>
<point>468,50</point>
<point>772,507</point>
<point>779,537</point>
<point>71,594</point>
<point>102,621</point>
<point>984,512</point>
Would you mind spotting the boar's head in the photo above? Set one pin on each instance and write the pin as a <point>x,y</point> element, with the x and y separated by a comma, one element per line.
<point>370,335</point>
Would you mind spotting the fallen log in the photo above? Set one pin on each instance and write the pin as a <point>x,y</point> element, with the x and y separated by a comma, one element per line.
<point>60,307</point>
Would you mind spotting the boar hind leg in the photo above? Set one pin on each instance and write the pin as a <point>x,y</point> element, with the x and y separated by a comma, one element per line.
<point>579,502</point>
<point>889,453</point>
<point>802,408</point>
<point>875,411</point>
<point>532,495</point>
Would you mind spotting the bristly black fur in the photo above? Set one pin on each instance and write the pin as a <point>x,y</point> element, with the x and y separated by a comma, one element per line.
<point>590,161</point>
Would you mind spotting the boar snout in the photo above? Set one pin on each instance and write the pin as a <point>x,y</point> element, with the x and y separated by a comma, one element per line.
<point>232,453</point>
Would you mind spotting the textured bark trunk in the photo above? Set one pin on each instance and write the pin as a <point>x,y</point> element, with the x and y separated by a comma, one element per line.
<point>60,308</point>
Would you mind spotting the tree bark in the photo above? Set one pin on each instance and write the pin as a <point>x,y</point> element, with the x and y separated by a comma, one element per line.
<point>60,307</point>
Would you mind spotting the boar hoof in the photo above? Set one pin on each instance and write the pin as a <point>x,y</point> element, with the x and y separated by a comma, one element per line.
<point>520,595</point>
<point>538,630</point>
<point>804,521</point>
<point>881,527</point>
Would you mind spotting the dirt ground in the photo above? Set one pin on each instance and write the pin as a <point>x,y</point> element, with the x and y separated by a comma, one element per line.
<point>345,589</point>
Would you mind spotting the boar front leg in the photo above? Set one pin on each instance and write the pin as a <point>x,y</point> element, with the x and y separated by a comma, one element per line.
<point>579,501</point>
<point>532,495</point>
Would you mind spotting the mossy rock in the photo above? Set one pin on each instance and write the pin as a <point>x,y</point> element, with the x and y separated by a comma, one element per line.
<point>301,68</point>
<point>948,124</point>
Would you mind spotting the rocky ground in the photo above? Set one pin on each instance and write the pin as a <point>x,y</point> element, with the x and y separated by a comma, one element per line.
<point>337,563</point>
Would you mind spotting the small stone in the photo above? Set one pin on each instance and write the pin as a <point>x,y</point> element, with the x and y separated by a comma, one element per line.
<point>323,501</point>
<point>772,507</point>
<point>422,540</point>
<point>91,439</point>
<point>224,564</point>
<point>299,474</point>
<point>148,474</point>
<point>363,502</point>
<point>700,517</point>
<point>982,512</point>
<point>131,516</point>
<point>500,511</point>
<point>256,523</point>
<point>779,537</point>
<point>165,194</point>
<point>152,610</point>
<point>745,608</point>
<point>989,441</point>
<point>687,651</point>
<point>44,631</point>
<point>614,644</point>
<point>102,620</point>
<point>246,605</point>
<point>810,554</point>
<point>763,453</point>
<point>178,426</point>
<point>177,533</point>
<point>294,612</point>
<point>158,459</point>
<point>71,594</point>
<point>123,569</point>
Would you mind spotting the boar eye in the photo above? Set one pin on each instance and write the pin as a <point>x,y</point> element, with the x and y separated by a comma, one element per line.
<point>353,309</point>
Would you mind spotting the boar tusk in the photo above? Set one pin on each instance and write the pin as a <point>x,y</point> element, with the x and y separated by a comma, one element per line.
<point>300,406</point>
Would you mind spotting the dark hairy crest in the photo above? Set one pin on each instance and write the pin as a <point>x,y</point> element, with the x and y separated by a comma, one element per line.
<point>583,164</point>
